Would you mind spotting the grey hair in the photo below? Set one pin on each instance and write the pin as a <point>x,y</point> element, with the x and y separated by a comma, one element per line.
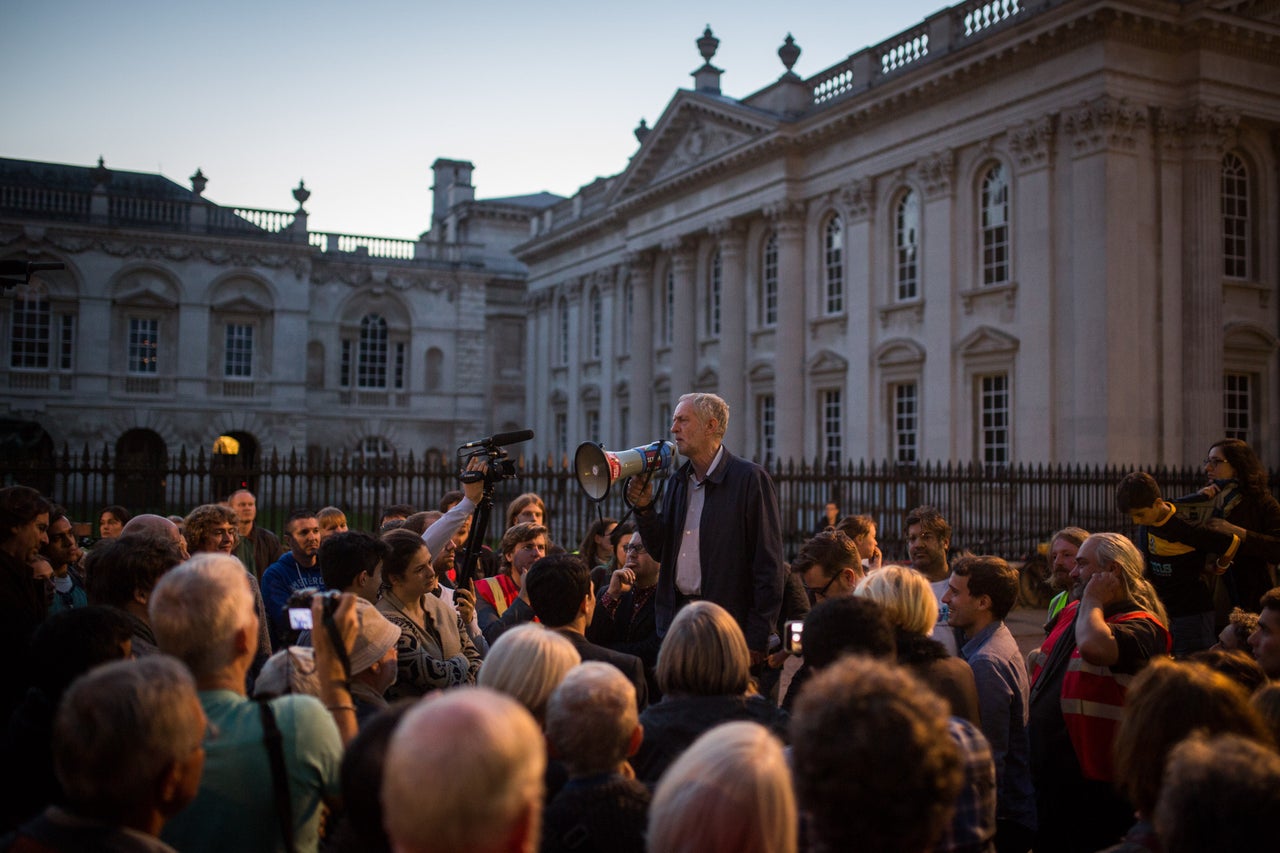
<point>197,608</point>
<point>119,728</point>
<point>1117,550</point>
<point>527,663</point>
<point>708,406</point>
<point>591,717</point>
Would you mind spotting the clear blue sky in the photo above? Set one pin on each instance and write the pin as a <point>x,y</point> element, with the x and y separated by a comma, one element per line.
<point>360,98</point>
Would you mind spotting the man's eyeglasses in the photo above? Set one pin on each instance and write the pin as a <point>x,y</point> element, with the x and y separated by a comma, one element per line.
<point>633,549</point>
<point>821,593</point>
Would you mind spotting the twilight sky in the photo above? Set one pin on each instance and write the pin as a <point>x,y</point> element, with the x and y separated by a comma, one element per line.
<point>359,99</point>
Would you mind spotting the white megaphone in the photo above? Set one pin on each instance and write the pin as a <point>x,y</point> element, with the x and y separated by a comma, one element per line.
<point>597,468</point>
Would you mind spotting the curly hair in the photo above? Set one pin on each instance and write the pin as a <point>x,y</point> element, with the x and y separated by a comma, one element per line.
<point>200,522</point>
<point>1249,471</point>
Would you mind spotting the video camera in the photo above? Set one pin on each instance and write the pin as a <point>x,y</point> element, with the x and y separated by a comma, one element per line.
<point>500,467</point>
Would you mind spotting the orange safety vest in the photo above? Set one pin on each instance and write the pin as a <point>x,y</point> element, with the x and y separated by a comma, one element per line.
<point>1093,697</point>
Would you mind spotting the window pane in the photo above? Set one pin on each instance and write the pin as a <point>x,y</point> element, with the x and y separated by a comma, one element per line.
<point>371,363</point>
<point>995,227</point>
<point>832,427</point>
<point>833,259</point>
<point>713,297</point>
<point>144,345</point>
<point>906,422</point>
<point>1235,217</point>
<point>29,331</point>
<point>906,244</point>
<point>1237,406</point>
<point>238,359</point>
<point>769,291</point>
<point>994,419</point>
<point>766,429</point>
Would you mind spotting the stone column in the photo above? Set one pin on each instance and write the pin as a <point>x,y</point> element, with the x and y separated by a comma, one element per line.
<point>735,292</point>
<point>789,378</point>
<point>861,300</point>
<point>1206,133</point>
<point>639,270</point>
<point>573,291</point>
<point>684,328</point>
<point>537,370</point>
<point>604,280</point>
<point>1032,267</point>
<point>934,175</point>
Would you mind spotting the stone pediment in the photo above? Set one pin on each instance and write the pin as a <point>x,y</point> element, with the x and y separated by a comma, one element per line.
<point>899,352</point>
<point>987,341</point>
<point>761,371</point>
<point>828,361</point>
<point>693,132</point>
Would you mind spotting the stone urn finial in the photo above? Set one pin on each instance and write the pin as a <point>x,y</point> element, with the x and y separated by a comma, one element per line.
<point>198,182</point>
<point>707,45</point>
<point>301,194</point>
<point>641,131</point>
<point>789,53</point>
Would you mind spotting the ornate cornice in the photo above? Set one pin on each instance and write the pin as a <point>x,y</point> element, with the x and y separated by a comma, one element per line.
<point>1104,124</point>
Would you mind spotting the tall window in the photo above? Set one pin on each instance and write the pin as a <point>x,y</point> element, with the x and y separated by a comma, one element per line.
<point>906,422</point>
<point>562,353</point>
<point>995,226</point>
<point>29,330</point>
<point>237,359</point>
<point>832,427</point>
<point>398,367</point>
<point>668,306</point>
<point>596,309</point>
<point>344,365</point>
<point>1235,217</point>
<point>994,418</point>
<point>664,418</point>
<point>144,345</point>
<point>593,425</point>
<point>1237,406</point>
<point>769,281</point>
<point>766,429</point>
<point>833,264</point>
<point>562,434</point>
<point>371,358</point>
<point>906,246</point>
<point>713,296</point>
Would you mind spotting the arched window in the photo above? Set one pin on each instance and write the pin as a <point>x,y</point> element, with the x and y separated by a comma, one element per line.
<point>833,264</point>
<point>563,338</point>
<point>769,281</point>
<point>668,306</point>
<point>995,226</point>
<point>371,355</point>
<point>597,322</point>
<point>1236,225</point>
<point>906,246</point>
<point>713,296</point>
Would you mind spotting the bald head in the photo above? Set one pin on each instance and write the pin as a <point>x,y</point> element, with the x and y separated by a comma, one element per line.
<point>491,749</point>
<point>157,527</point>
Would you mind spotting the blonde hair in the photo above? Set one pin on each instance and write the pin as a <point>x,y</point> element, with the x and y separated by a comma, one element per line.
<point>704,653</point>
<point>731,791</point>
<point>527,663</point>
<point>905,595</point>
<point>330,513</point>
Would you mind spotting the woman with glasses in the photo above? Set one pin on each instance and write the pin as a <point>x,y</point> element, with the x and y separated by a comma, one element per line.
<point>1245,507</point>
<point>434,651</point>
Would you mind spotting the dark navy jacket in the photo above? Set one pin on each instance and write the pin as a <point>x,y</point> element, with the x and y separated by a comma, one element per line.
<point>740,545</point>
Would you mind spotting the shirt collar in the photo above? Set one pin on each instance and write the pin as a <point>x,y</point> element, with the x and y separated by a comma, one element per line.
<point>979,639</point>
<point>711,469</point>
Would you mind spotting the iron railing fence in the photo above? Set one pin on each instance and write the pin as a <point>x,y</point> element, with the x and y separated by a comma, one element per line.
<point>1005,510</point>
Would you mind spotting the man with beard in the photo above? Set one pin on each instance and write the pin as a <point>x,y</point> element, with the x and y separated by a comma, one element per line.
<point>1062,560</point>
<point>624,617</point>
<point>296,570</point>
<point>928,539</point>
<point>1115,625</point>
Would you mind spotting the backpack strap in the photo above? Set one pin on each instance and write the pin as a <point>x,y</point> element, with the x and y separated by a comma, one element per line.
<point>274,742</point>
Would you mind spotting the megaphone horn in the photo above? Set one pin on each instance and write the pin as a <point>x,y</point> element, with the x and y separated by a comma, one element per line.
<point>597,469</point>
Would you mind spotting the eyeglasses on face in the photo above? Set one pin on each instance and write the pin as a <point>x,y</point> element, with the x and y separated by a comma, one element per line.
<point>633,549</point>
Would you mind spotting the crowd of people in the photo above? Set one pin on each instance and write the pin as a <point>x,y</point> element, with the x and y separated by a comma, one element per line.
<point>197,683</point>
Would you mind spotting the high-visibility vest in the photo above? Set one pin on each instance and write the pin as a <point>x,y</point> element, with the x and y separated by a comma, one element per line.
<point>1093,698</point>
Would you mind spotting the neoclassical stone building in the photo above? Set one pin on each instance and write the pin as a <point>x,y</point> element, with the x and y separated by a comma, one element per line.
<point>182,323</point>
<point>1014,232</point>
